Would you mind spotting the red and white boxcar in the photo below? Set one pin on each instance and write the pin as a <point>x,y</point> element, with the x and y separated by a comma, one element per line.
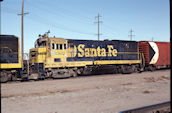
<point>156,54</point>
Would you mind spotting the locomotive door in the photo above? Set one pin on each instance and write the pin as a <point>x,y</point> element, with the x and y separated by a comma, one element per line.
<point>124,49</point>
<point>71,51</point>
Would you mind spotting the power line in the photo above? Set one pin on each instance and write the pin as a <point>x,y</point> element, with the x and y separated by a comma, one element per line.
<point>152,38</point>
<point>46,5</point>
<point>43,20</point>
<point>9,10</point>
<point>111,29</point>
<point>98,22</point>
<point>42,7</point>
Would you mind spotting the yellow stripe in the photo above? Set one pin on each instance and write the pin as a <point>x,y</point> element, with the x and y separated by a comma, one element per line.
<point>13,65</point>
<point>117,62</point>
<point>10,65</point>
<point>85,63</point>
<point>69,64</point>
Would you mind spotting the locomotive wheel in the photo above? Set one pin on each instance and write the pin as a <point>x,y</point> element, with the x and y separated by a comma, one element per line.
<point>48,74</point>
<point>73,73</point>
<point>4,77</point>
<point>140,70</point>
<point>41,76</point>
<point>151,68</point>
<point>14,77</point>
<point>126,69</point>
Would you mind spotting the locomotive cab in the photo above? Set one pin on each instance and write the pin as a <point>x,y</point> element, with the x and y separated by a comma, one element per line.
<point>49,53</point>
<point>54,48</point>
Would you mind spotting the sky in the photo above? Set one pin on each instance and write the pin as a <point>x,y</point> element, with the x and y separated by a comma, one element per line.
<point>75,19</point>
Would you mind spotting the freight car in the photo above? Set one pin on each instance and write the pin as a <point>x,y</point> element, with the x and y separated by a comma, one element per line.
<point>58,57</point>
<point>156,54</point>
<point>10,60</point>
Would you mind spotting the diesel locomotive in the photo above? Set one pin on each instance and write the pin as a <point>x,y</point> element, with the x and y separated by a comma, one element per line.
<point>10,60</point>
<point>54,57</point>
<point>59,57</point>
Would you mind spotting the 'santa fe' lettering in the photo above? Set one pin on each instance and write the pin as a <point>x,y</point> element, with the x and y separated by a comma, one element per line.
<point>96,52</point>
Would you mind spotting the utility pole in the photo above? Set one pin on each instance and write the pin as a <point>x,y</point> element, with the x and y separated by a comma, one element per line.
<point>22,27</point>
<point>131,34</point>
<point>152,38</point>
<point>0,15</point>
<point>98,16</point>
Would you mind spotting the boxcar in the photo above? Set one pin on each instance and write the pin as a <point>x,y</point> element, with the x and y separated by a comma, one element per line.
<point>156,54</point>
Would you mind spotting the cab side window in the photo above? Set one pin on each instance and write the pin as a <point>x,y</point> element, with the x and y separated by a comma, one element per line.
<point>53,46</point>
<point>65,46</point>
<point>57,46</point>
<point>61,46</point>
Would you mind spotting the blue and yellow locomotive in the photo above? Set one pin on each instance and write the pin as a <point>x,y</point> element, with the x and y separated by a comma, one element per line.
<point>59,57</point>
<point>10,59</point>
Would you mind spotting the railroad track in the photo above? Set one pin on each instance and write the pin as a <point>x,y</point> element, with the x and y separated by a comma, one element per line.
<point>155,108</point>
<point>81,76</point>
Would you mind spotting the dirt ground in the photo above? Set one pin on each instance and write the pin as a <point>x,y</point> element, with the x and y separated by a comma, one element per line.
<point>109,93</point>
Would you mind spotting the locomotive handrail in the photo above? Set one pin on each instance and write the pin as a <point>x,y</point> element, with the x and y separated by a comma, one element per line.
<point>143,60</point>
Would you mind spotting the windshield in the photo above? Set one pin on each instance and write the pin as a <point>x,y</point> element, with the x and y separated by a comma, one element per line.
<point>40,44</point>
